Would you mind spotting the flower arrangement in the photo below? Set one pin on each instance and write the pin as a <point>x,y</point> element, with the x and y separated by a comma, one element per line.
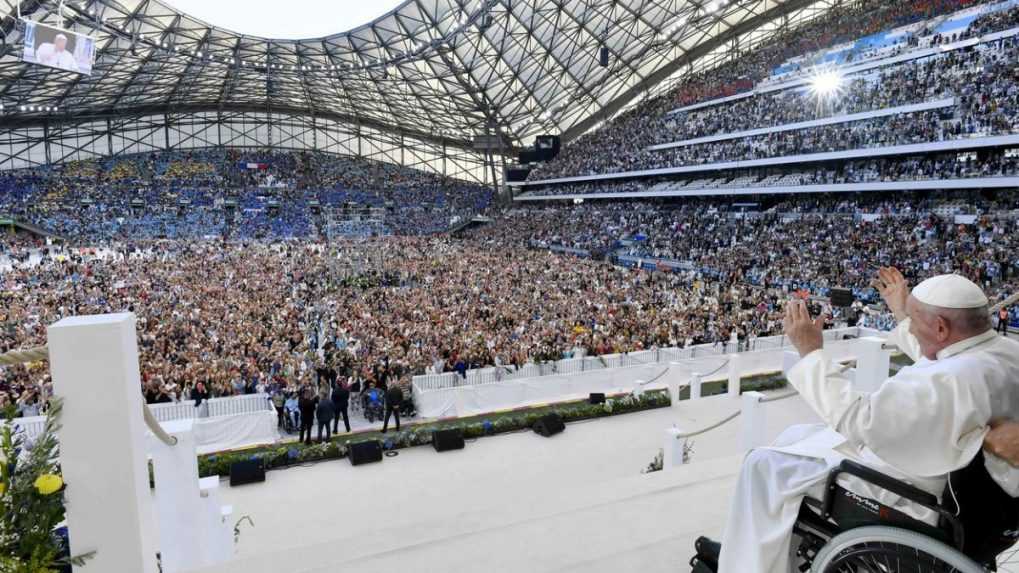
<point>32,500</point>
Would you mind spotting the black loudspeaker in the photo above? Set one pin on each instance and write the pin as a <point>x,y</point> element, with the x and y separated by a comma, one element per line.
<point>365,452</point>
<point>549,425</point>
<point>596,398</point>
<point>515,174</point>
<point>248,471</point>
<point>445,440</point>
<point>547,147</point>
<point>841,297</point>
<point>528,156</point>
<point>603,57</point>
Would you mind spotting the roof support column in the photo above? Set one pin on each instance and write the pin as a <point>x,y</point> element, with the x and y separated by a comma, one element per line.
<point>46,141</point>
<point>166,129</point>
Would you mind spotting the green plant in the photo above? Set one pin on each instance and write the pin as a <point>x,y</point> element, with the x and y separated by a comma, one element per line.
<point>656,464</point>
<point>32,499</point>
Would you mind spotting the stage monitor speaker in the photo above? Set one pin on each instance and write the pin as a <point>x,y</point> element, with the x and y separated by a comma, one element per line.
<point>247,471</point>
<point>445,440</point>
<point>549,425</point>
<point>365,452</point>
<point>597,398</point>
<point>603,57</point>
<point>841,297</point>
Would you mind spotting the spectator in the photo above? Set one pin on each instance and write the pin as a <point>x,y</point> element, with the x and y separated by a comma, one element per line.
<point>307,406</point>
<point>324,412</point>
<point>394,399</point>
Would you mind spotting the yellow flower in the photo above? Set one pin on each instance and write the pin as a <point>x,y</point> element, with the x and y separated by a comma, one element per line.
<point>3,487</point>
<point>48,484</point>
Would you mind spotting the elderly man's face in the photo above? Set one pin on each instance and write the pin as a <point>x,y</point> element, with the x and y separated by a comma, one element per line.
<point>60,43</point>
<point>931,331</point>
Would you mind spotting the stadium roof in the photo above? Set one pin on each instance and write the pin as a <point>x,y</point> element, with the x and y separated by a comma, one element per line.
<point>435,69</point>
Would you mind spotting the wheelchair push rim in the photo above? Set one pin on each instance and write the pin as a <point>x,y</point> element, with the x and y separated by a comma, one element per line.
<point>880,549</point>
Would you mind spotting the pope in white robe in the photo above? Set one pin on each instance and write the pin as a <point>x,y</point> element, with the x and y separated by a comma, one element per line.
<point>923,423</point>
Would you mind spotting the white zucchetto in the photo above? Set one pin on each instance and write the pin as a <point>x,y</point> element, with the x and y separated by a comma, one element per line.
<point>950,291</point>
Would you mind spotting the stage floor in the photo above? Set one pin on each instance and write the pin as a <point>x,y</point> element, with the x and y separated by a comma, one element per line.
<point>515,502</point>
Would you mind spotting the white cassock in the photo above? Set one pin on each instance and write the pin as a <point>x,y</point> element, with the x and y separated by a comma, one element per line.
<point>923,423</point>
<point>47,54</point>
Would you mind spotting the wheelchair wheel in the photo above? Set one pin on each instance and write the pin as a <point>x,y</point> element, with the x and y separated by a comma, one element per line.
<point>889,550</point>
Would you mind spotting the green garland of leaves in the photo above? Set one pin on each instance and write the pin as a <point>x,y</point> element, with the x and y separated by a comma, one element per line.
<point>31,508</point>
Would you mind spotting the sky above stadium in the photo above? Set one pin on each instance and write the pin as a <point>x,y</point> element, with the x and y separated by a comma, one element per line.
<point>286,19</point>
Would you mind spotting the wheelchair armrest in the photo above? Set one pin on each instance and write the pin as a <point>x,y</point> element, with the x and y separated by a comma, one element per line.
<point>888,483</point>
<point>900,488</point>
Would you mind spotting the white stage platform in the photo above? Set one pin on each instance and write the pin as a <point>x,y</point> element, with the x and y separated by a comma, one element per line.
<point>516,502</point>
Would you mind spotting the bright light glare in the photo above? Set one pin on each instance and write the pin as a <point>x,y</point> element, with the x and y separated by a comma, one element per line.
<point>826,84</point>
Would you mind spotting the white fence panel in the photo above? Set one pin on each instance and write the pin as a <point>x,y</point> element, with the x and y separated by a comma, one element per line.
<point>638,358</point>
<point>32,426</point>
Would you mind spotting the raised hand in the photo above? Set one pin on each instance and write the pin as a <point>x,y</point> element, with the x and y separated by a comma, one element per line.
<point>894,290</point>
<point>804,333</point>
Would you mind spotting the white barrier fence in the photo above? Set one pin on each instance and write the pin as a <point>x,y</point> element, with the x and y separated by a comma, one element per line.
<point>451,395</point>
<point>872,368</point>
<point>593,363</point>
<point>184,410</point>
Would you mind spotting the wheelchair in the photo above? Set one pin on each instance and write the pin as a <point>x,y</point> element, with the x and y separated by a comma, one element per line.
<point>845,532</point>
<point>848,533</point>
<point>373,411</point>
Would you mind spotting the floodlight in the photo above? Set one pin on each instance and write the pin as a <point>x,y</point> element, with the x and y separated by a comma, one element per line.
<point>826,84</point>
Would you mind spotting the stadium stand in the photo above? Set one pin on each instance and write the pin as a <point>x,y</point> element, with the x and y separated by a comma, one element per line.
<point>980,79</point>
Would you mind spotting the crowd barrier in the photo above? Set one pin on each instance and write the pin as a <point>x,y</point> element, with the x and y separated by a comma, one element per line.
<point>184,410</point>
<point>487,390</point>
<point>593,363</point>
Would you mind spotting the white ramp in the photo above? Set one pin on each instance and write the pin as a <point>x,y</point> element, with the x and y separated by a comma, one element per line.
<point>515,502</point>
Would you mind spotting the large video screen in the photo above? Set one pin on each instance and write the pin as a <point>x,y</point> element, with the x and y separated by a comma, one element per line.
<point>60,49</point>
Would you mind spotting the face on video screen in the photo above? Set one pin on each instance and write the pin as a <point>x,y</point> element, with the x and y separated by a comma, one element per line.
<point>56,48</point>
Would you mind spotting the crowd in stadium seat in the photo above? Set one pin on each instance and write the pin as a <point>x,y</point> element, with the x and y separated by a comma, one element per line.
<point>941,166</point>
<point>248,316</point>
<point>827,243</point>
<point>983,80</point>
<point>181,194</point>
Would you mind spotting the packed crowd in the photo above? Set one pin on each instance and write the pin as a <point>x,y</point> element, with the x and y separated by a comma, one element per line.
<point>806,243</point>
<point>241,294</point>
<point>229,193</point>
<point>1000,163</point>
<point>245,318</point>
<point>269,316</point>
<point>982,80</point>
